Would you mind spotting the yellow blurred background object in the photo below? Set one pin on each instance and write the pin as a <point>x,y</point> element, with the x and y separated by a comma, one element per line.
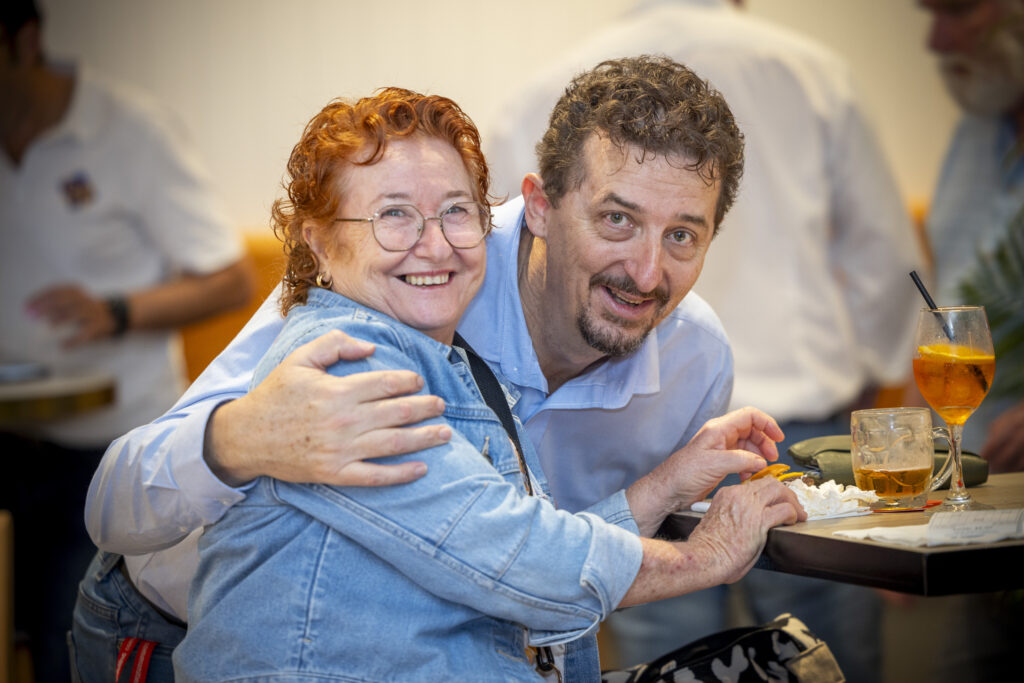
<point>202,341</point>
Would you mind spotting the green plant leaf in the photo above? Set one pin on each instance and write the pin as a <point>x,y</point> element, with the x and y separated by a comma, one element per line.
<point>997,283</point>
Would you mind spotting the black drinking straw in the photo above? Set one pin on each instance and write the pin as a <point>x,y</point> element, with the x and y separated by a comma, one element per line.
<point>931,304</point>
<point>946,327</point>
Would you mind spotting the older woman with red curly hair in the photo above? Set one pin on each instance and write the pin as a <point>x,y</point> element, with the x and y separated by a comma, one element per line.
<point>462,574</point>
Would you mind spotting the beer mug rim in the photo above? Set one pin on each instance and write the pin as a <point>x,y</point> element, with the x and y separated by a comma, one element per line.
<point>901,410</point>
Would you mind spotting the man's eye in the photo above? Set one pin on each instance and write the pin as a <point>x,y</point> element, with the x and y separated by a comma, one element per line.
<point>617,220</point>
<point>681,237</point>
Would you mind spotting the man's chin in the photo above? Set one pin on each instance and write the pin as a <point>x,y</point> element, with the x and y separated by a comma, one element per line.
<point>982,92</point>
<point>613,341</point>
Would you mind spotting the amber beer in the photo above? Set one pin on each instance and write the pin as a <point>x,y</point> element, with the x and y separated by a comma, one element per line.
<point>890,484</point>
<point>953,379</point>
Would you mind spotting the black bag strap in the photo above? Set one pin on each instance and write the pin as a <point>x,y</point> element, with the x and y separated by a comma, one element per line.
<point>495,398</point>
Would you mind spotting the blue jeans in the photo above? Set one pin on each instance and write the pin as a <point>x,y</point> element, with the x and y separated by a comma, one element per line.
<point>108,610</point>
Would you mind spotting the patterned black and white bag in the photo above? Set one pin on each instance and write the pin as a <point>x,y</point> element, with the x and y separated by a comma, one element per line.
<point>781,650</point>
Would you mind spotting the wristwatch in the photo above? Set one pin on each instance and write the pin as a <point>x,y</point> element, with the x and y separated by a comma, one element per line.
<point>118,307</point>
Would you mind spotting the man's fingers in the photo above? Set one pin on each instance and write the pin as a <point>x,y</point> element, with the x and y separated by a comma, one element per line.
<point>382,443</point>
<point>369,474</point>
<point>398,412</point>
<point>762,444</point>
<point>328,349</point>
<point>45,298</point>
<point>377,385</point>
<point>740,461</point>
<point>743,426</point>
<point>771,492</point>
<point>57,310</point>
<point>782,513</point>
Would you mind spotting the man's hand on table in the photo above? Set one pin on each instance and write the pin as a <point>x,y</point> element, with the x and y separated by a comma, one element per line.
<point>1004,447</point>
<point>741,441</point>
<point>735,527</point>
<point>302,425</point>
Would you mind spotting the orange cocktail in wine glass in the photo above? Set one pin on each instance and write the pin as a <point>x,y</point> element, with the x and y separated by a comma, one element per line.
<point>953,366</point>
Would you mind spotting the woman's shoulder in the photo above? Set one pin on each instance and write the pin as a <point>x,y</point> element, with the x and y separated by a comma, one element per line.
<point>325,311</point>
<point>396,346</point>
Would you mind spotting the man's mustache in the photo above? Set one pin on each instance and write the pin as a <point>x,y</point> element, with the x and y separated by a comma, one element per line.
<point>627,285</point>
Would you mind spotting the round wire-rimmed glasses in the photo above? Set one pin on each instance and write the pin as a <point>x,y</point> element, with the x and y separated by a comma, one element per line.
<point>398,227</point>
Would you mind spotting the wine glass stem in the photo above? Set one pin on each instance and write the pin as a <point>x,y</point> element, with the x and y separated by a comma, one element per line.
<point>957,491</point>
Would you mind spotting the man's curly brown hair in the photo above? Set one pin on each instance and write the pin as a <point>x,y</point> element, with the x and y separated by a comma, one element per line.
<point>348,133</point>
<point>654,104</point>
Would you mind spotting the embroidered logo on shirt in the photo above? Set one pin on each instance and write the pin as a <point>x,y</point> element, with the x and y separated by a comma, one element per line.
<point>77,190</point>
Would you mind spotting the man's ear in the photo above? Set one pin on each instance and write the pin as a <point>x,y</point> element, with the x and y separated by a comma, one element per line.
<point>27,44</point>
<point>538,208</point>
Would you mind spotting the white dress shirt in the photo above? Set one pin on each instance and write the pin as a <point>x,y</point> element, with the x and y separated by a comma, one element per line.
<point>113,200</point>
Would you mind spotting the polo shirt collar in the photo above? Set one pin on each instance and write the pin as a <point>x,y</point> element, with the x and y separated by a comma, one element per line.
<point>82,120</point>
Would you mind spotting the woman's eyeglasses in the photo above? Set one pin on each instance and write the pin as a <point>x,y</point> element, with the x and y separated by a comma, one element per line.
<point>399,227</point>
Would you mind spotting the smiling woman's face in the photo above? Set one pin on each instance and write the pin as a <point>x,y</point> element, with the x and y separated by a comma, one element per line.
<point>427,287</point>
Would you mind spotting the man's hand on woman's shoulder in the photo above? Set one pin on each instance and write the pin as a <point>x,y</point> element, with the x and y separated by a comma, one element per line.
<point>301,424</point>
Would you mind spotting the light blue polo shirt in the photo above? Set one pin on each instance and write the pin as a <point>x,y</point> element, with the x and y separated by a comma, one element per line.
<point>603,430</point>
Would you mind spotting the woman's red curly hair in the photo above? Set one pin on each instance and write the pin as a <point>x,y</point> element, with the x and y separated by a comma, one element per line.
<point>342,131</point>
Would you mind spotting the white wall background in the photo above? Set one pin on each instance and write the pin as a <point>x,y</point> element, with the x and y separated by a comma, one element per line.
<point>245,75</point>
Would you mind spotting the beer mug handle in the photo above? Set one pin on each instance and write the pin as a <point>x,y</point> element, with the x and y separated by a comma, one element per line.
<point>942,475</point>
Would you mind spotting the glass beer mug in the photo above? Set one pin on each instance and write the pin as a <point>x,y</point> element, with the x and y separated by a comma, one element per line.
<point>893,453</point>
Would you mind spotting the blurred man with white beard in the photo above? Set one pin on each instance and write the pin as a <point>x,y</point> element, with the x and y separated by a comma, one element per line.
<point>980,46</point>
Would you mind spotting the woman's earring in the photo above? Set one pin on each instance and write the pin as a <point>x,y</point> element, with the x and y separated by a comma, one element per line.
<point>322,282</point>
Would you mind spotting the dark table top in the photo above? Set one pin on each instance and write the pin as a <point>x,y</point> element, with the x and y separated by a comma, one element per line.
<point>810,549</point>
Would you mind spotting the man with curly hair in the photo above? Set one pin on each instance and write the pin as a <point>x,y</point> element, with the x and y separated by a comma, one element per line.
<point>817,238</point>
<point>586,309</point>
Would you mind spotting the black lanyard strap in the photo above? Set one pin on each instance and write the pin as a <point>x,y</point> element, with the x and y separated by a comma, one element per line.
<point>495,398</point>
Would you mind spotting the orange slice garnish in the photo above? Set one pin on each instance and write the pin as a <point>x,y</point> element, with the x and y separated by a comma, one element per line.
<point>954,352</point>
<point>770,471</point>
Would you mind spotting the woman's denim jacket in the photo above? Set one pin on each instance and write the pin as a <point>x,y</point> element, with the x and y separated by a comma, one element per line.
<point>445,578</point>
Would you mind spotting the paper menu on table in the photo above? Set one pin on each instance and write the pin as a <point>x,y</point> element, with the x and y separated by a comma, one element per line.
<point>975,526</point>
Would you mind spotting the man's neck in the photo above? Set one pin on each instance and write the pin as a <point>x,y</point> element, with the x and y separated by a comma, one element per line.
<point>561,353</point>
<point>40,103</point>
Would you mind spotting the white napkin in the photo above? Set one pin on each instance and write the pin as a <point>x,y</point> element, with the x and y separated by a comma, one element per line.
<point>949,528</point>
<point>703,505</point>
<point>900,535</point>
<point>825,501</point>
<point>829,500</point>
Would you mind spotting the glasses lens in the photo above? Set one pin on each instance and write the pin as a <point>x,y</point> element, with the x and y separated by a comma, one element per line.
<point>463,224</point>
<point>397,227</point>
